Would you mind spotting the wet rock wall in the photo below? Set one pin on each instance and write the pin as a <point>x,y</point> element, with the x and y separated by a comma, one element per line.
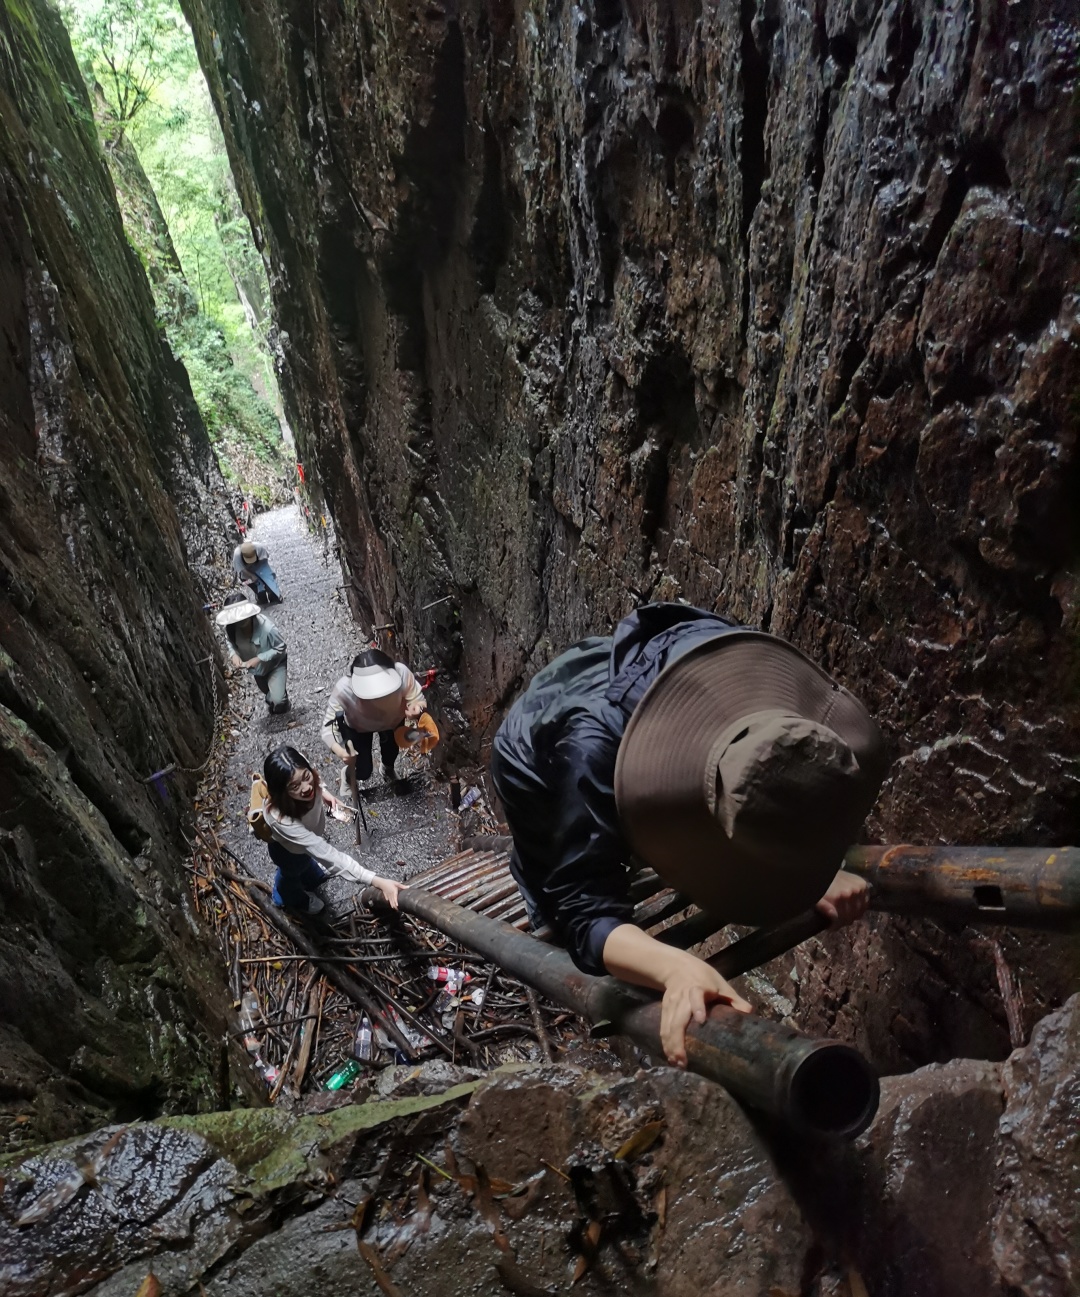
<point>558,1180</point>
<point>771,308</point>
<point>112,517</point>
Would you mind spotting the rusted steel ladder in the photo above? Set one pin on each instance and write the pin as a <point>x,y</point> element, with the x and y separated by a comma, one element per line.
<point>1020,887</point>
<point>817,1086</point>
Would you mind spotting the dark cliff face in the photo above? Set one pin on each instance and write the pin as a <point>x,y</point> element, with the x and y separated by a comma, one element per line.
<point>767,307</point>
<point>110,497</point>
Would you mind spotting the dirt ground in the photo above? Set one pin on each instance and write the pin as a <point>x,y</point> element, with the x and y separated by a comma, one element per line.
<point>410,826</point>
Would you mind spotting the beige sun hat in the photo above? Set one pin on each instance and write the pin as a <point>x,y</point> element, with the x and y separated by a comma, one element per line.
<point>744,775</point>
<point>238,609</point>
<point>374,675</point>
<point>248,552</point>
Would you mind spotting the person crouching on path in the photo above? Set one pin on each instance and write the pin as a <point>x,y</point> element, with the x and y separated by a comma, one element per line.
<point>720,756</point>
<point>296,815</point>
<point>257,646</point>
<point>376,697</point>
<point>251,563</point>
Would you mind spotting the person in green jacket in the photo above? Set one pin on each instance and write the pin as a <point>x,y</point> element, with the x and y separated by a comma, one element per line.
<point>259,647</point>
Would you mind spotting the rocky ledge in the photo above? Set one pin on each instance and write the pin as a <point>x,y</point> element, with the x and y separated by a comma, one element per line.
<point>538,1178</point>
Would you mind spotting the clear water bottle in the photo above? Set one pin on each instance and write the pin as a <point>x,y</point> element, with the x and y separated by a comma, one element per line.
<point>364,1044</point>
<point>250,1013</point>
<point>470,799</point>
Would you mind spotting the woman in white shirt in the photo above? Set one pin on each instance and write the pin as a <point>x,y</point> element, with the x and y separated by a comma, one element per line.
<point>296,815</point>
<point>375,697</point>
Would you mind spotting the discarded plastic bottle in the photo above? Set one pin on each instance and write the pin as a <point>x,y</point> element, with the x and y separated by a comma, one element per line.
<point>250,1013</point>
<point>455,978</point>
<point>363,1046</point>
<point>444,1000</point>
<point>470,799</point>
<point>345,1076</point>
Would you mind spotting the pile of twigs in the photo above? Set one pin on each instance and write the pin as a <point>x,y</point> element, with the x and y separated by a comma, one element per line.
<point>306,991</point>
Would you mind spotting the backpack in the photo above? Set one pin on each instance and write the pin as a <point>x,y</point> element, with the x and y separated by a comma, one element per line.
<point>257,802</point>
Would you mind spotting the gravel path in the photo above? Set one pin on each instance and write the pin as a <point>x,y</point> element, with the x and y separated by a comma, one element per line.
<point>409,830</point>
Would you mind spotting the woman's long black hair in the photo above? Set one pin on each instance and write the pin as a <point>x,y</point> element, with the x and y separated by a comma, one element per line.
<point>278,768</point>
<point>372,658</point>
<point>237,596</point>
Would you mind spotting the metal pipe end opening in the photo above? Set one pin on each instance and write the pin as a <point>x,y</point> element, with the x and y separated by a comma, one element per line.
<point>834,1093</point>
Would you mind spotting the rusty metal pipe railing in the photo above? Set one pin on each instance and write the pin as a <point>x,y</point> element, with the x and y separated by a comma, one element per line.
<point>819,1087</point>
<point>1022,887</point>
<point>767,943</point>
<point>1017,886</point>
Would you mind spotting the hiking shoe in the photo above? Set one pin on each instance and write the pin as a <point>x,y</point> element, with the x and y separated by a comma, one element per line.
<point>314,905</point>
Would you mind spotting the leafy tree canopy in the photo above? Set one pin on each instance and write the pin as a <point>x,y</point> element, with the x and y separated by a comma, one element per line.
<point>128,48</point>
<point>139,62</point>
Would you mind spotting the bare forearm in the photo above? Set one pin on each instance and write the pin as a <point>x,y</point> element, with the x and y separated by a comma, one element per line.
<point>688,983</point>
<point>634,956</point>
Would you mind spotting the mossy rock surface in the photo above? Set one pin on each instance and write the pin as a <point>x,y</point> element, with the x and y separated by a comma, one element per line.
<point>275,1149</point>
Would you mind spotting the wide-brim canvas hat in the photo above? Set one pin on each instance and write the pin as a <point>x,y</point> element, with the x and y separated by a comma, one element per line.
<point>743,776</point>
<point>241,610</point>
<point>374,681</point>
<point>248,552</point>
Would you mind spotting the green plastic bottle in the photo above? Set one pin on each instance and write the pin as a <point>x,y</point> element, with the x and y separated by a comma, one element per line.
<point>346,1076</point>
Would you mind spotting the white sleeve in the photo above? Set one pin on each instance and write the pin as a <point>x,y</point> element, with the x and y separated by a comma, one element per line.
<point>327,733</point>
<point>411,691</point>
<point>335,862</point>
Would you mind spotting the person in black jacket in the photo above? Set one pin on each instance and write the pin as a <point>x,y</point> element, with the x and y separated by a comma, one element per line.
<point>718,755</point>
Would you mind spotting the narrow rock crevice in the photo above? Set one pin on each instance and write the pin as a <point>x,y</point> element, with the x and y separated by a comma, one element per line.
<point>756,38</point>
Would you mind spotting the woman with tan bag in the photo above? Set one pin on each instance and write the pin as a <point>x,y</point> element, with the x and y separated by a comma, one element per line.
<point>295,815</point>
<point>376,697</point>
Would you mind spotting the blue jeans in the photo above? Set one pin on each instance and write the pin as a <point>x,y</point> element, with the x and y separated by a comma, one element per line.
<point>296,877</point>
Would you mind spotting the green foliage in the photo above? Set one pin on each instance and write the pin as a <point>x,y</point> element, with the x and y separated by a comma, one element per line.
<point>208,278</point>
<point>128,48</point>
<point>231,408</point>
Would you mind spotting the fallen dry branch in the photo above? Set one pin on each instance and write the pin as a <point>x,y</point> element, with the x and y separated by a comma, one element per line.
<point>315,982</point>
